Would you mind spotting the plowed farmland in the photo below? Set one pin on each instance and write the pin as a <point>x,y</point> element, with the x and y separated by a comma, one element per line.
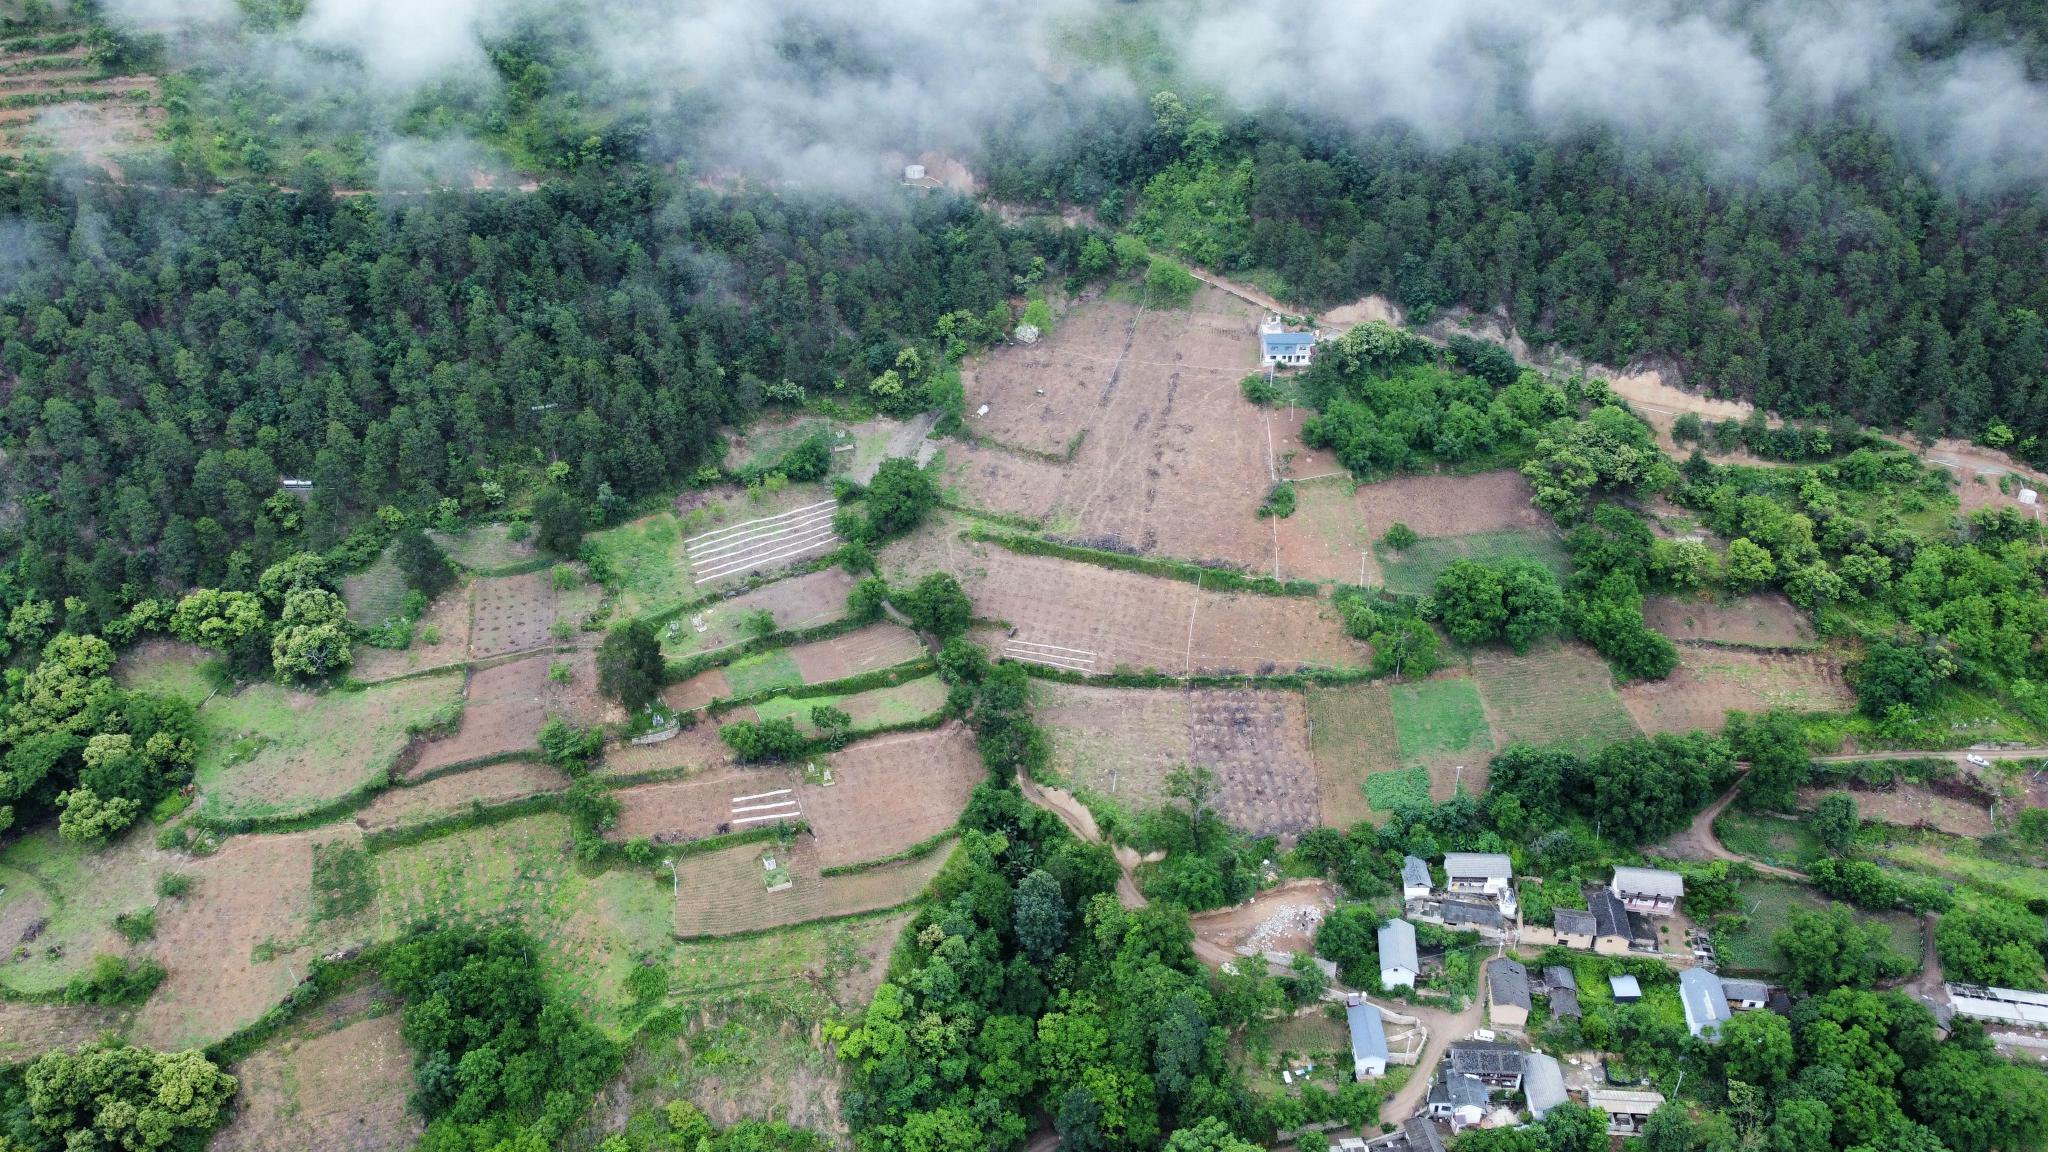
<point>1708,682</point>
<point>1761,621</point>
<point>725,892</point>
<point>1563,697</point>
<point>332,1085</point>
<point>1331,534</point>
<point>1120,745</point>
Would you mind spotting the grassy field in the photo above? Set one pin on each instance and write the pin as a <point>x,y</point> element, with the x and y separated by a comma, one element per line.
<point>594,928</point>
<point>1435,719</point>
<point>272,751</point>
<point>1771,839</point>
<point>1414,569</point>
<point>485,548</point>
<point>763,672</point>
<point>1386,791</point>
<point>1962,860</point>
<point>1562,697</point>
<point>375,594</point>
<point>77,890</point>
<point>1351,736</point>
<point>647,557</point>
<point>1769,904</point>
<point>879,708</point>
<point>713,969</point>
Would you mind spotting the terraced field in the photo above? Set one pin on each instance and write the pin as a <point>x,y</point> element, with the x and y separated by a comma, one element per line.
<point>726,892</point>
<point>1563,697</point>
<point>53,97</point>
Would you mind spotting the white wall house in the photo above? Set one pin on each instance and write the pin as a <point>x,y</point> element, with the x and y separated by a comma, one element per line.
<point>1399,962</point>
<point>1279,348</point>
<point>1485,873</point>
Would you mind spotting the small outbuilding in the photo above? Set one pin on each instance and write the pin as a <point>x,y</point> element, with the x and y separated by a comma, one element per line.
<point>1415,882</point>
<point>1507,992</point>
<point>1368,1040</point>
<point>1746,995</point>
<point>1399,961</point>
<point>1706,1003</point>
<point>1625,988</point>
<point>1627,1112</point>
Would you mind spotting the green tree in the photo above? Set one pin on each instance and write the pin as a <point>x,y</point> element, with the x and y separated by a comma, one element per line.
<point>424,564</point>
<point>113,1096</point>
<point>1041,916</point>
<point>218,620</point>
<point>629,665</point>
<point>559,521</point>
<point>1834,822</point>
<point>313,635</point>
<point>1749,565</point>
<point>1349,938</point>
<point>1836,949</point>
<point>1993,942</point>
<point>936,604</point>
<point>899,497</point>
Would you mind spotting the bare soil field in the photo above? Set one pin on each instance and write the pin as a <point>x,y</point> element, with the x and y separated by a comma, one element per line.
<point>1091,619</point>
<point>761,543</point>
<point>440,640</point>
<point>1121,743</point>
<point>255,892</point>
<point>887,795</point>
<point>698,690</point>
<point>1560,697</point>
<point>29,1030</point>
<point>697,748</point>
<point>674,812</point>
<point>725,892</point>
<point>1166,456</point>
<point>1281,919</point>
<point>1914,806</point>
<point>797,603</point>
<point>1708,682</point>
<point>338,1088</point>
<point>455,793</point>
<point>892,793</point>
<point>508,703</point>
<point>1331,533</point>
<point>512,614</point>
<point>1351,736</point>
<point>868,649</point>
<point>1764,620</point>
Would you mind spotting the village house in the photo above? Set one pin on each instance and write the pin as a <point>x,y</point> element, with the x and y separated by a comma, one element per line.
<point>1457,1098</point>
<point>1652,891</point>
<point>1542,1084</point>
<point>1706,1003</point>
<point>1478,873</point>
<point>1507,992</point>
<point>1368,1039</point>
<point>1399,961</point>
<point>1574,928</point>
<point>1627,1112</point>
<point>1496,1065</point>
<point>1562,988</point>
<point>1746,995</point>
<point>1279,348</point>
<point>1613,931</point>
<point>1415,883</point>
<point>1416,1135</point>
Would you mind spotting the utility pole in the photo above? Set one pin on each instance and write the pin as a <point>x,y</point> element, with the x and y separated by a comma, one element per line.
<point>675,879</point>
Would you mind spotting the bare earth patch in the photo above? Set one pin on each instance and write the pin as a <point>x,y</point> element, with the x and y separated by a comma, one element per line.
<point>508,703</point>
<point>1914,806</point>
<point>1764,620</point>
<point>343,1090</point>
<point>1334,526</point>
<point>726,891</point>
<point>868,649</point>
<point>513,614</point>
<point>891,793</point>
<point>1708,682</point>
<point>29,1030</point>
<point>441,639</point>
<point>676,811</point>
<point>1273,921</point>
<point>453,794</point>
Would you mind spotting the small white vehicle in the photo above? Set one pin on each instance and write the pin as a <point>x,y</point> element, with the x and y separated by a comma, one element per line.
<point>1979,761</point>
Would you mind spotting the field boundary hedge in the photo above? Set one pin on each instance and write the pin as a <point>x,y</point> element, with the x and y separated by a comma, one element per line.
<point>479,815</point>
<point>917,851</point>
<point>1314,678</point>
<point>894,676</point>
<point>754,933</point>
<point>679,671</point>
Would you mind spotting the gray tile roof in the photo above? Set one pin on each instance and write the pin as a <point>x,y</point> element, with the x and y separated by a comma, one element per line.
<point>1492,865</point>
<point>1610,918</point>
<point>1564,1004</point>
<point>1457,912</point>
<point>1508,981</point>
<point>1573,921</point>
<point>1368,1031</point>
<point>1458,1089</point>
<point>1542,1084</point>
<point>1561,976</point>
<point>1486,1058</point>
<point>1414,872</point>
<point>1649,882</point>
<point>1706,1002</point>
<point>1755,990</point>
<point>1625,987</point>
<point>1422,1135</point>
<point>1397,946</point>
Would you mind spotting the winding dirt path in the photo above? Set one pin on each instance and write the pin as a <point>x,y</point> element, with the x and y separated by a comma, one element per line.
<point>1699,842</point>
<point>1081,822</point>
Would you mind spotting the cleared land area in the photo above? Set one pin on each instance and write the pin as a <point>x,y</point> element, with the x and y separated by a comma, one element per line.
<point>761,543</point>
<point>61,897</point>
<point>272,751</point>
<point>879,707</point>
<point>237,943</point>
<point>1761,621</point>
<point>1708,682</point>
<point>337,1083</point>
<point>675,556</point>
<point>54,98</point>
<point>844,960</point>
<point>1563,697</point>
<point>1957,812</point>
<point>1332,532</point>
<point>1351,737</point>
<point>697,748</point>
<point>1126,428</point>
<point>886,795</point>
<point>29,1030</point>
<point>1441,725</point>
<point>1413,570</point>
<point>1120,745</point>
<point>440,640</point>
<point>454,794</point>
<point>1086,618</point>
<point>375,594</point>
<point>512,614</point>
<point>486,547</point>
<point>795,604</point>
<point>726,892</point>
<point>507,704</point>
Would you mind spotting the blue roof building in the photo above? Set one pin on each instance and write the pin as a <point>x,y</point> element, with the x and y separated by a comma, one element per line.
<point>1706,1002</point>
<point>1368,1040</point>
<point>1278,347</point>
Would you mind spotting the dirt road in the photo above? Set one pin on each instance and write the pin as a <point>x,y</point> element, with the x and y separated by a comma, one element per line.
<point>1081,822</point>
<point>1444,1027</point>
<point>1698,841</point>
<point>1958,756</point>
